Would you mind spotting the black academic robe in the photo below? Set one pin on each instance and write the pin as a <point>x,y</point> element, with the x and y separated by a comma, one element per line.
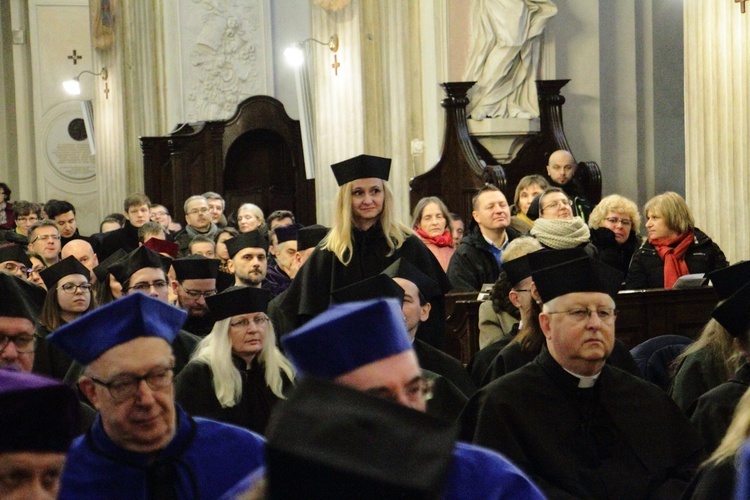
<point>480,363</point>
<point>621,438</point>
<point>444,364</point>
<point>713,482</point>
<point>49,360</point>
<point>310,291</point>
<point>194,390</point>
<point>712,413</point>
<point>698,373</point>
<point>447,400</point>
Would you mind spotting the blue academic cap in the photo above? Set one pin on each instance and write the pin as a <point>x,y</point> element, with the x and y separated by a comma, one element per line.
<point>125,319</point>
<point>348,336</point>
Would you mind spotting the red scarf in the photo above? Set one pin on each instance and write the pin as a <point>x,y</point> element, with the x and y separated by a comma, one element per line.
<point>672,251</point>
<point>444,240</point>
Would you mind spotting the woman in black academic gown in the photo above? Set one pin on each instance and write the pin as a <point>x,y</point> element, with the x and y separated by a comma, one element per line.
<point>237,374</point>
<point>68,298</point>
<point>366,237</point>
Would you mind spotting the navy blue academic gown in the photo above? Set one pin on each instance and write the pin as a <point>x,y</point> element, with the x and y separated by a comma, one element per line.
<point>203,460</point>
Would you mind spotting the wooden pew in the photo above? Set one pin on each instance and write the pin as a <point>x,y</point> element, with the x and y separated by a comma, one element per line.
<point>643,314</point>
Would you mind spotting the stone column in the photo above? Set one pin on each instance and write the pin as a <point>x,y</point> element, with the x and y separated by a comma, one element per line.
<point>717,134</point>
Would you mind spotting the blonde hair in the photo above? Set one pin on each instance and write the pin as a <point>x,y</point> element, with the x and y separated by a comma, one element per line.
<point>718,345</point>
<point>615,203</point>
<point>253,209</point>
<point>674,209</point>
<point>520,247</point>
<point>339,238</point>
<point>215,350</point>
<point>737,434</point>
<point>529,180</point>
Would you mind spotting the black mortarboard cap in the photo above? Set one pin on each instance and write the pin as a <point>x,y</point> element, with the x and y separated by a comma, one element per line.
<point>331,441</point>
<point>580,275</point>
<point>361,167</point>
<point>404,269</point>
<point>38,414</point>
<point>130,317</point>
<point>379,286</point>
<point>140,258</point>
<point>56,272</point>
<point>20,299</point>
<point>286,233</point>
<point>196,267</point>
<point>252,239</point>
<point>310,236</point>
<point>547,258</point>
<point>517,269</point>
<point>15,253</point>
<point>733,313</point>
<point>102,270</point>
<point>241,300</point>
<point>728,280</point>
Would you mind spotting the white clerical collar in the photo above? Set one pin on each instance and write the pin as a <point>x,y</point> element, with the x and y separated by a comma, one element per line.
<point>583,381</point>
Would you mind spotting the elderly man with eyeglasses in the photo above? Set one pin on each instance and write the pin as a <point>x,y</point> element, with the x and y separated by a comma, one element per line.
<point>579,427</point>
<point>196,280</point>
<point>143,445</point>
<point>198,218</point>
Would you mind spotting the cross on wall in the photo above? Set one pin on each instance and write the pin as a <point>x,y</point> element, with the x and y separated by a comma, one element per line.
<point>75,57</point>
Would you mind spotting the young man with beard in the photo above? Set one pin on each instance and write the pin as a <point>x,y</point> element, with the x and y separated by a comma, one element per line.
<point>195,280</point>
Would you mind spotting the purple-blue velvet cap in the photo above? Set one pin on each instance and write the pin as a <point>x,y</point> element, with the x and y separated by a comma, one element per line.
<point>346,337</point>
<point>135,315</point>
<point>38,414</point>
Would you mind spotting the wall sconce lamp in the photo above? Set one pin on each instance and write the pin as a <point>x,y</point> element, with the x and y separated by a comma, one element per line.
<point>73,86</point>
<point>742,4</point>
<point>295,56</point>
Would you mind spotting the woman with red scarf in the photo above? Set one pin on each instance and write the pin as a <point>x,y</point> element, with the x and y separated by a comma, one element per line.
<point>675,247</point>
<point>431,222</point>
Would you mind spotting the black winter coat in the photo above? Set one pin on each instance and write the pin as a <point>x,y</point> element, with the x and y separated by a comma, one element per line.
<point>647,268</point>
<point>612,253</point>
<point>473,264</point>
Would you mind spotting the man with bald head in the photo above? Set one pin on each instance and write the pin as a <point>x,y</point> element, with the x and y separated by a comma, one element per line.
<point>561,169</point>
<point>84,253</point>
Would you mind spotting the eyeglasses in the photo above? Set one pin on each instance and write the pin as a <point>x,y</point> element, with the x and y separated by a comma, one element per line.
<point>158,214</point>
<point>557,205</point>
<point>124,387</point>
<point>203,210</point>
<point>417,391</point>
<point>615,220</point>
<point>605,314</point>
<point>25,344</point>
<point>72,288</point>
<point>194,294</point>
<point>12,267</point>
<point>244,323</point>
<point>33,218</point>
<point>45,237</point>
<point>521,290</point>
<point>145,286</point>
<point>35,270</point>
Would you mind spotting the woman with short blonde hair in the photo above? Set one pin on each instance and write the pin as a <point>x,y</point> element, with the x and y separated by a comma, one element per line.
<point>615,224</point>
<point>675,247</point>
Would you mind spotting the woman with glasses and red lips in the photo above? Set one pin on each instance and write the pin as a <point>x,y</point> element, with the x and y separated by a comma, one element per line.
<point>615,224</point>
<point>68,298</point>
<point>236,374</point>
<point>558,228</point>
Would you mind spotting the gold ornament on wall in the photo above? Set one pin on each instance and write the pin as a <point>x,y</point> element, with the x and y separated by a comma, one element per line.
<point>332,5</point>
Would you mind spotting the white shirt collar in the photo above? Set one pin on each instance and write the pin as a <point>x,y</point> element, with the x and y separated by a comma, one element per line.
<point>584,382</point>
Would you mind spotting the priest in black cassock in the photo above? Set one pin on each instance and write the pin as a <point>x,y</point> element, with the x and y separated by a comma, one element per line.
<point>579,427</point>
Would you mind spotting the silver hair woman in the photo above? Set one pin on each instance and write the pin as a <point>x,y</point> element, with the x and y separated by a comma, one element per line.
<point>237,373</point>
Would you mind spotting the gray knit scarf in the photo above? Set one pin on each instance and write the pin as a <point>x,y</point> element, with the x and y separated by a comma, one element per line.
<point>561,233</point>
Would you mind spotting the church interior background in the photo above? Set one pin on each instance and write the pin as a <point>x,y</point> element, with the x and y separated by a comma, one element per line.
<point>658,92</point>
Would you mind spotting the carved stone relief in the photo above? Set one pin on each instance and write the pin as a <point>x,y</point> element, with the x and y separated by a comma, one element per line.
<point>224,46</point>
